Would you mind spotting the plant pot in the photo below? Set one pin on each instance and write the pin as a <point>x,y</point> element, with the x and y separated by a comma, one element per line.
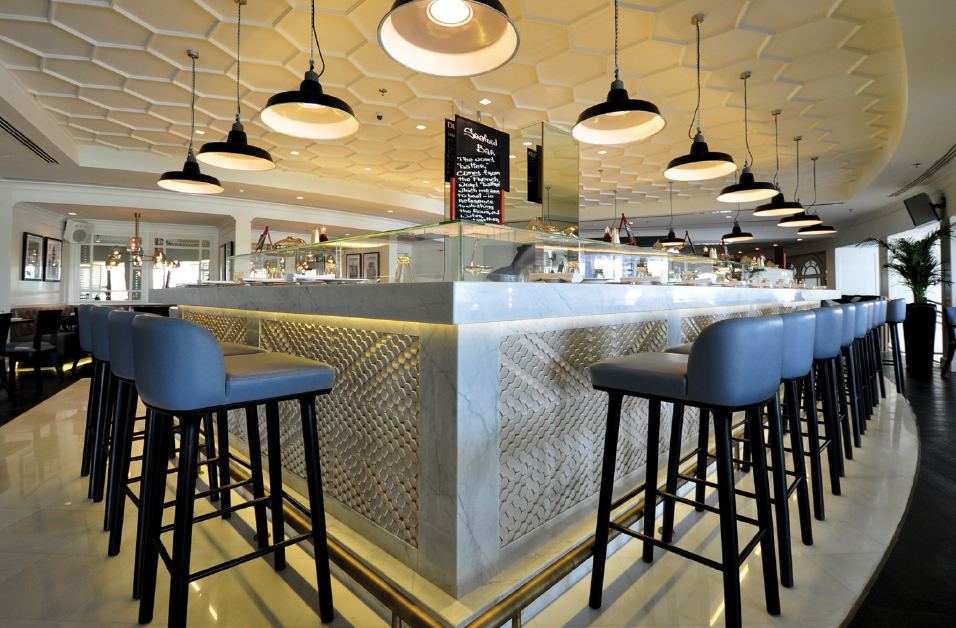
<point>919,332</point>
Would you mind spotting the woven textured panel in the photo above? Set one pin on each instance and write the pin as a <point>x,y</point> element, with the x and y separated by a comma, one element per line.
<point>225,328</point>
<point>551,423</point>
<point>368,424</point>
<point>691,326</point>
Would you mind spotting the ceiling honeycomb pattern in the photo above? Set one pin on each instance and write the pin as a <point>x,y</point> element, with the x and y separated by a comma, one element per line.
<point>115,73</point>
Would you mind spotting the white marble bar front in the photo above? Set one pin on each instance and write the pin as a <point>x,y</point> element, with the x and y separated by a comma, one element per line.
<point>462,434</point>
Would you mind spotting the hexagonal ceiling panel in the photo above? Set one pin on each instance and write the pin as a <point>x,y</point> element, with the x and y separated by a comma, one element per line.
<point>116,75</point>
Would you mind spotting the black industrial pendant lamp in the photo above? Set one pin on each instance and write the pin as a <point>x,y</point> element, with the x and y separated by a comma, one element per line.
<point>747,190</point>
<point>737,234</point>
<point>701,164</point>
<point>803,219</point>
<point>236,153</point>
<point>820,229</point>
<point>779,205</point>
<point>190,180</point>
<point>672,240</point>
<point>454,38</point>
<point>620,119</point>
<point>308,111</point>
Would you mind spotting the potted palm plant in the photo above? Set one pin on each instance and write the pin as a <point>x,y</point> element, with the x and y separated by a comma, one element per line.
<point>916,263</point>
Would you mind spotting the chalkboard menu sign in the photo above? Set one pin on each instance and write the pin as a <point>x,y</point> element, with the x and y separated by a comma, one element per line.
<point>482,172</point>
<point>535,172</point>
<point>450,134</point>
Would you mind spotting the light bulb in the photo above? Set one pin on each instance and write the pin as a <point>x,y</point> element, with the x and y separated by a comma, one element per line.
<point>449,12</point>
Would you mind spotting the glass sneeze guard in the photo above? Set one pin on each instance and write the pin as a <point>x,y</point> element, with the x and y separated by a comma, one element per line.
<point>467,251</point>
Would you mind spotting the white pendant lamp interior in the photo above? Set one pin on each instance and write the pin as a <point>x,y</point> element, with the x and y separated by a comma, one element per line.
<point>748,189</point>
<point>819,229</point>
<point>190,180</point>
<point>308,111</point>
<point>620,119</point>
<point>737,234</point>
<point>454,38</point>
<point>236,153</point>
<point>672,240</point>
<point>701,163</point>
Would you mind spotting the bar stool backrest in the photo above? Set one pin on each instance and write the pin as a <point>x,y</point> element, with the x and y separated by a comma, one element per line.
<point>849,324</point>
<point>5,327</point>
<point>83,324</point>
<point>178,365</point>
<point>871,313</point>
<point>881,312</point>
<point>861,324</point>
<point>100,332</point>
<point>949,314</point>
<point>896,311</point>
<point>716,373</point>
<point>121,343</point>
<point>798,337</point>
<point>827,333</point>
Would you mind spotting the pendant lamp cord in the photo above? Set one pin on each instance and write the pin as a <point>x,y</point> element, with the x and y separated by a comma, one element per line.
<point>238,43</point>
<point>796,190</point>
<point>776,150</point>
<point>750,155</point>
<point>690,130</point>
<point>617,66</point>
<point>314,44</point>
<point>814,160</point>
<point>192,108</point>
<point>671,193</point>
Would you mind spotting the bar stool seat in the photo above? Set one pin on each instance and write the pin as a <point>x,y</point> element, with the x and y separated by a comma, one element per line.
<point>235,348</point>
<point>656,374</point>
<point>180,370</point>
<point>683,349</point>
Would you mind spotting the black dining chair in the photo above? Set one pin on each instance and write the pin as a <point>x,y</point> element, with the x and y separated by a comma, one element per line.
<point>47,325</point>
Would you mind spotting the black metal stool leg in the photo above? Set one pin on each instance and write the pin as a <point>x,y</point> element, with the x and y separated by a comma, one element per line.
<point>151,434</point>
<point>314,474</point>
<point>673,467</point>
<point>104,425</point>
<point>91,406</point>
<point>258,486</point>
<point>222,436</point>
<point>853,386</point>
<point>151,505</point>
<point>183,523</point>
<point>210,453</point>
<point>614,401</point>
<point>778,478</point>
<point>650,474</point>
<point>831,419</point>
<point>813,443</point>
<point>727,505</point>
<point>842,407</point>
<point>792,396</point>
<point>275,482</point>
<point>702,442</point>
<point>764,518</point>
<point>898,359</point>
<point>878,360</point>
<point>123,422</point>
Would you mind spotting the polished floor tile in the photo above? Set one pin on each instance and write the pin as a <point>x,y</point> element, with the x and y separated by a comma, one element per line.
<point>54,570</point>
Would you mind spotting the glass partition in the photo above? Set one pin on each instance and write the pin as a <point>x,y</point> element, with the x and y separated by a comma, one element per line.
<point>466,251</point>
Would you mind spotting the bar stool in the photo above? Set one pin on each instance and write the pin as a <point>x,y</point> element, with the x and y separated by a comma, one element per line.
<point>896,314</point>
<point>878,344</point>
<point>826,348</point>
<point>867,351</point>
<point>861,351</point>
<point>180,370</point>
<point>848,373</point>
<point>86,344</point>
<point>710,377</point>
<point>102,407</point>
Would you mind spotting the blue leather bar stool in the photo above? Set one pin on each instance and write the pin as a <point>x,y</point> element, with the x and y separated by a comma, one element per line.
<point>710,377</point>
<point>896,314</point>
<point>826,349</point>
<point>105,392</point>
<point>878,344</point>
<point>860,332</point>
<point>867,348</point>
<point>848,372</point>
<point>180,370</point>
<point>86,344</point>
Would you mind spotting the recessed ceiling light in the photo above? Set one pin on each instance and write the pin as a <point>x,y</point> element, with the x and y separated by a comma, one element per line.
<point>300,197</point>
<point>799,239</point>
<point>511,156</point>
<point>727,217</point>
<point>73,213</point>
<point>241,191</point>
<point>602,152</point>
<point>776,245</point>
<point>389,211</point>
<point>484,101</point>
<point>424,181</point>
<point>198,132</point>
<point>527,143</point>
<point>420,127</point>
<point>348,234</point>
<point>295,152</point>
<point>368,168</point>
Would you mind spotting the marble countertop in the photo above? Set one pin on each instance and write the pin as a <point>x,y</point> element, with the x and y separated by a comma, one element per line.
<point>464,302</point>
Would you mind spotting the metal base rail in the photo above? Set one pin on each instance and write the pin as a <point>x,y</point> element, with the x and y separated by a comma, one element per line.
<point>405,610</point>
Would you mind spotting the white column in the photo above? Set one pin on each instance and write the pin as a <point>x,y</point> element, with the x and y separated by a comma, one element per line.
<point>243,233</point>
<point>6,249</point>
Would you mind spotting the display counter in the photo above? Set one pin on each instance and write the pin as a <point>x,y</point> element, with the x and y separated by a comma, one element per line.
<point>462,433</point>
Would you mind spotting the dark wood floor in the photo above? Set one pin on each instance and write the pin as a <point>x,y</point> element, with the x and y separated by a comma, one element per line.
<point>917,586</point>
<point>26,395</point>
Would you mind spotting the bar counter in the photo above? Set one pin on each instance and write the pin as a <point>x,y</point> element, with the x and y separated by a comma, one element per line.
<point>462,434</point>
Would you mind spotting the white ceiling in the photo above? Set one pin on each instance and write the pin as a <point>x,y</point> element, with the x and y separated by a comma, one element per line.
<point>114,73</point>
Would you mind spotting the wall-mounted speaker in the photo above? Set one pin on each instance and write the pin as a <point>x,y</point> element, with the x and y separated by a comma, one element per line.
<point>78,232</point>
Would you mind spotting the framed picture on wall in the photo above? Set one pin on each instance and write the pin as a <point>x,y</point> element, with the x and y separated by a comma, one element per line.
<point>31,266</point>
<point>371,264</point>
<point>353,266</point>
<point>52,259</point>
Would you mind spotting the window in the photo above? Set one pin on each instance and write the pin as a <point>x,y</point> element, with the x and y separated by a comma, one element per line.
<point>102,282</point>
<point>191,256</point>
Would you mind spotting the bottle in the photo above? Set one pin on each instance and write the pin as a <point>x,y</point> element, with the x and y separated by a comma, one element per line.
<point>607,234</point>
<point>322,236</point>
<point>615,236</point>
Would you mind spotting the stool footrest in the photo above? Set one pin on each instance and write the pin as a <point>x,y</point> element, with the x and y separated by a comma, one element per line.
<point>199,575</point>
<point>696,504</point>
<point>703,560</point>
<point>713,485</point>
<point>751,546</point>
<point>628,497</point>
<point>216,513</point>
